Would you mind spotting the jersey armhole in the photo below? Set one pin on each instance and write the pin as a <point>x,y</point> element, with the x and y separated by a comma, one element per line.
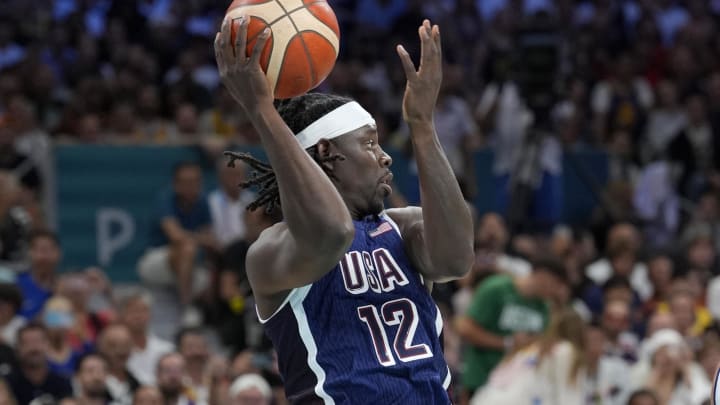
<point>392,223</point>
<point>279,308</point>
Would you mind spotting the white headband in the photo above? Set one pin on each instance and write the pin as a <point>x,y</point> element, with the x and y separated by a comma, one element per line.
<point>348,117</point>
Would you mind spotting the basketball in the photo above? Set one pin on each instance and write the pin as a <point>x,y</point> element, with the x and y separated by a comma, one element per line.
<point>303,44</point>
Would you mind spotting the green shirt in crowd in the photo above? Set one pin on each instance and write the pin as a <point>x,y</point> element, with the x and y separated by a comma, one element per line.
<point>498,308</point>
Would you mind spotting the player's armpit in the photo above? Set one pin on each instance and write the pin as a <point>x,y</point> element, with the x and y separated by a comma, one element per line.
<point>412,228</point>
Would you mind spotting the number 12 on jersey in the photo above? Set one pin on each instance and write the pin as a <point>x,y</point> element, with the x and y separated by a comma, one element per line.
<point>403,314</point>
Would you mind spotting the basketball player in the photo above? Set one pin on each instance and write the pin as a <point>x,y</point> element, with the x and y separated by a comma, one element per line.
<point>342,285</point>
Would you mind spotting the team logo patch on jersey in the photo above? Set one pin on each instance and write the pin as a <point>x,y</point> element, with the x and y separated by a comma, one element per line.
<point>384,227</point>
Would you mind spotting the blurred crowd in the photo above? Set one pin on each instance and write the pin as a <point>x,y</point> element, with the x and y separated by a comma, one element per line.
<point>623,308</point>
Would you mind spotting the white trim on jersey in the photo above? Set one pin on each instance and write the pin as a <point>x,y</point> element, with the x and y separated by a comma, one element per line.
<point>448,377</point>
<point>439,329</point>
<point>287,299</point>
<point>716,388</point>
<point>386,217</point>
<point>438,321</point>
<point>296,303</point>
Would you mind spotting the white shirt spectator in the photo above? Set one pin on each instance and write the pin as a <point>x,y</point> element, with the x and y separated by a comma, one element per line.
<point>609,385</point>
<point>600,271</point>
<point>602,95</point>
<point>119,391</point>
<point>9,331</point>
<point>454,122</point>
<point>228,215</point>
<point>657,203</point>
<point>693,390</point>
<point>663,125</point>
<point>142,363</point>
<point>713,297</point>
<point>520,380</point>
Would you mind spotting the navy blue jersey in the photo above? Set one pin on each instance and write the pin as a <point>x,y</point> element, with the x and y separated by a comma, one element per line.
<point>368,332</point>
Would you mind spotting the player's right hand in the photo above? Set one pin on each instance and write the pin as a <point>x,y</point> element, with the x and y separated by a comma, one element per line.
<point>242,76</point>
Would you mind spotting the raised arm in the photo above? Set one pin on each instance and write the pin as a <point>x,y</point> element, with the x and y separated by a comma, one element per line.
<point>317,227</point>
<point>439,237</point>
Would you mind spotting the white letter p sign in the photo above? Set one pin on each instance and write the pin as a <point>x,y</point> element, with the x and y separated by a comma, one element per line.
<point>109,242</point>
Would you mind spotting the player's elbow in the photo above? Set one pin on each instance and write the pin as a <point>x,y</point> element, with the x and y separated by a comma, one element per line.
<point>337,237</point>
<point>462,262</point>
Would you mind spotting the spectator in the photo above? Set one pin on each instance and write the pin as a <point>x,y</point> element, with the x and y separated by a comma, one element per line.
<point>643,397</point>
<point>193,347</point>
<point>134,310</point>
<point>661,269</point>
<point>669,371</point>
<point>491,243</point>
<point>250,389</point>
<point>623,242</point>
<point>37,283</point>
<point>621,102</point>
<point>607,377</point>
<point>691,317</point>
<point>506,314</point>
<point>552,370</point>
<point>15,223</point>
<point>147,395</point>
<point>181,227</point>
<point>171,374</point>
<point>224,119</point>
<point>115,345</point>
<point>11,159</point>
<point>616,323</point>
<point>228,203</point>
<point>90,377</point>
<point>152,127</point>
<point>87,324</point>
<point>10,322</point>
<point>698,248</point>
<point>58,318</point>
<point>709,355</point>
<point>695,149</point>
<point>186,126</point>
<point>665,121</point>
<point>6,395</point>
<point>34,379</point>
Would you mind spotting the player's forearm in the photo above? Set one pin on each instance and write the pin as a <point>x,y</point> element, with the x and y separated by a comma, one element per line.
<point>311,206</point>
<point>447,220</point>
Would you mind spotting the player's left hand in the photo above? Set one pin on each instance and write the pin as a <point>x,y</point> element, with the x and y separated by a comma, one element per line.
<point>423,84</point>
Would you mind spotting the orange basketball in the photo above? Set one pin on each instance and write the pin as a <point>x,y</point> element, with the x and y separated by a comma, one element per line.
<point>303,44</point>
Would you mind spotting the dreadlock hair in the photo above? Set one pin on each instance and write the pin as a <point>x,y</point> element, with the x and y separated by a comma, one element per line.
<point>298,113</point>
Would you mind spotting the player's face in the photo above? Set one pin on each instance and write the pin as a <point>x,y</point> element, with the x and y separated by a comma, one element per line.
<point>364,177</point>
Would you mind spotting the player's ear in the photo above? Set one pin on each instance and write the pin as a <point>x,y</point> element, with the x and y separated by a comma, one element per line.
<point>324,148</point>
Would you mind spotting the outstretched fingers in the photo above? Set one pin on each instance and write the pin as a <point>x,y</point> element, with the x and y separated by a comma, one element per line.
<point>407,63</point>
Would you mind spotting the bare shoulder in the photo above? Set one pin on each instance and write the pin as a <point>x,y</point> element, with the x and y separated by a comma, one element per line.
<point>260,253</point>
<point>278,262</point>
<point>269,240</point>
